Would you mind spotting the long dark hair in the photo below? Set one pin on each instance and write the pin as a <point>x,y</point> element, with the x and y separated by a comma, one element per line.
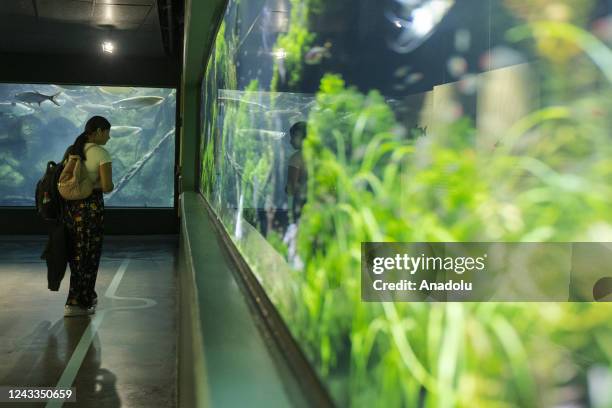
<point>298,127</point>
<point>94,123</point>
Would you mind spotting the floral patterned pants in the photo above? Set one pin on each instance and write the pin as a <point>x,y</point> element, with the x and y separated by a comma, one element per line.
<point>85,225</point>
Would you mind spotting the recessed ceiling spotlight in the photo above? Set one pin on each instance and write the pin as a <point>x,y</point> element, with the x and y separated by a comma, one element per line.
<point>108,47</point>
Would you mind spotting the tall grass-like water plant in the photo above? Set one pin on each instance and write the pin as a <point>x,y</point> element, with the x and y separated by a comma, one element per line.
<point>370,183</point>
<point>547,178</point>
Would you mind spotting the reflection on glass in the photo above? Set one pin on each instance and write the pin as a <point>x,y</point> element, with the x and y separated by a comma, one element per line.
<point>425,121</point>
<point>416,21</point>
<point>38,122</point>
<point>297,173</point>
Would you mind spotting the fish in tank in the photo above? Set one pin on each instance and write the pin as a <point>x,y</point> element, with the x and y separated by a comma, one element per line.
<point>39,121</point>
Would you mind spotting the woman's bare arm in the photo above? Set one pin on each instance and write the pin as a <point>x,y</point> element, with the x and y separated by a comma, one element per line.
<point>106,177</point>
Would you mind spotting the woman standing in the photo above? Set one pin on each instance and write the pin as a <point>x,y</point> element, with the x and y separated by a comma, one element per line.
<point>297,177</point>
<point>85,218</point>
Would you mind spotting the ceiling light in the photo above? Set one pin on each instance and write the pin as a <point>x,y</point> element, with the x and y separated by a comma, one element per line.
<point>108,47</point>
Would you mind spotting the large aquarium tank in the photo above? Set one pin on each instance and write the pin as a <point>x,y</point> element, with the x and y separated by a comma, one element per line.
<point>39,121</point>
<point>326,124</point>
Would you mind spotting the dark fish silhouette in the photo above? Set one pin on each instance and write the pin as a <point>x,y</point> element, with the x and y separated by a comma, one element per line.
<point>36,97</point>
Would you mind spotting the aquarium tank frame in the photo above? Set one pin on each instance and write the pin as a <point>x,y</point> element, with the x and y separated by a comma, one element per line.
<point>349,173</point>
<point>311,388</point>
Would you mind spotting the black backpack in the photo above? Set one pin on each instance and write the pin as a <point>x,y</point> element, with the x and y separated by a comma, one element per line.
<point>49,203</point>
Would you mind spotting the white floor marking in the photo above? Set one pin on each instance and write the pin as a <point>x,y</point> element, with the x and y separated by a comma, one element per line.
<point>73,366</point>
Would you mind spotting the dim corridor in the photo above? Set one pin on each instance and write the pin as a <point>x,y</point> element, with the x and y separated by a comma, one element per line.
<point>123,356</point>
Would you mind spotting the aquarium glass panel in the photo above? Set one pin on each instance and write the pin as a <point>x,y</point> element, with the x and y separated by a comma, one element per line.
<point>326,124</point>
<point>38,123</point>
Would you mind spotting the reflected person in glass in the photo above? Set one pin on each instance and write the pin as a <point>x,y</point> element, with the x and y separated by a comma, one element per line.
<point>296,172</point>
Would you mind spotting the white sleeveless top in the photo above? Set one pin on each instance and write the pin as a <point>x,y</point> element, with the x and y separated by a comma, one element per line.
<point>94,157</point>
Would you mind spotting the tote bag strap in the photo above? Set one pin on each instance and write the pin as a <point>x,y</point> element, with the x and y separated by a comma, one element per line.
<point>88,147</point>
<point>71,156</point>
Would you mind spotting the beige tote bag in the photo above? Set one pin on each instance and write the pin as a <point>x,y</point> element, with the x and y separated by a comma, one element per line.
<point>74,182</point>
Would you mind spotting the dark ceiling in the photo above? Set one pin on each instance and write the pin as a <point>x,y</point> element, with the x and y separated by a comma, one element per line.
<point>146,35</point>
<point>78,27</point>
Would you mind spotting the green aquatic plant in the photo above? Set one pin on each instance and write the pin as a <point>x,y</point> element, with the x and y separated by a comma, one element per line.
<point>210,134</point>
<point>277,243</point>
<point>207,168</point>
<point>252,153</point>
<point>591,45</point>
<point>369,183</point>
<point>293,45</point>
<point>223,57</point>
<point>547,179</point>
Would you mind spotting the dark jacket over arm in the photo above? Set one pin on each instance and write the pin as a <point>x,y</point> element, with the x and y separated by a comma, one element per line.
<point>56,255</point>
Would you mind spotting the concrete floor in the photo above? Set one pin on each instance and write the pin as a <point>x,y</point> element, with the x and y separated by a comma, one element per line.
<point>123,356</point>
